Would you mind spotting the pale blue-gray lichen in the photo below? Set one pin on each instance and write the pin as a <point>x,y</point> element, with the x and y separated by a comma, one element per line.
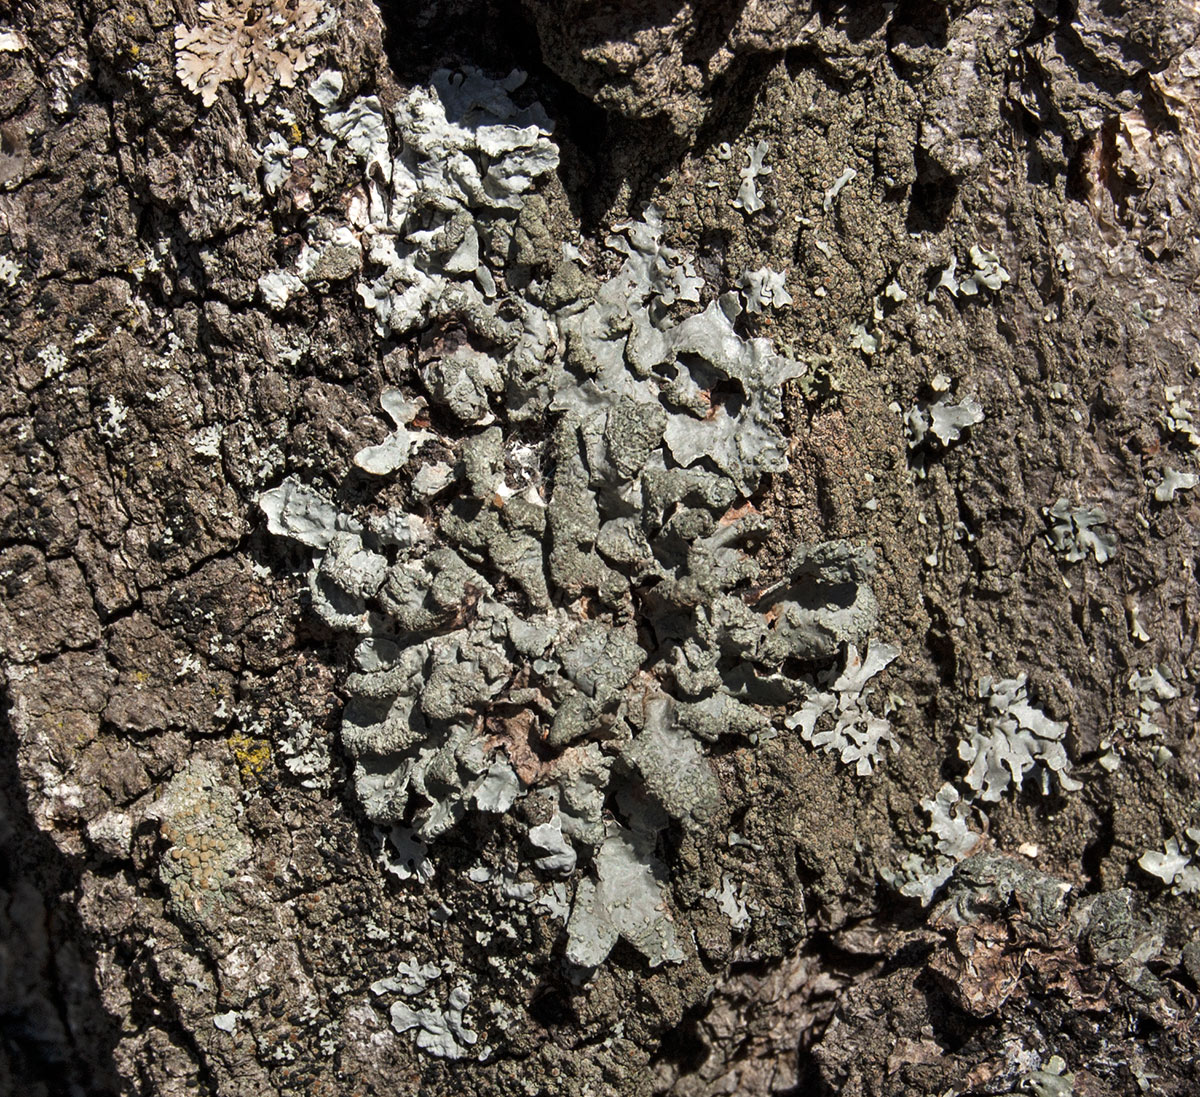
<point>1075,532</point>
<point>1179,863</point>
<point>1012,739</point>
<point>576,583</point>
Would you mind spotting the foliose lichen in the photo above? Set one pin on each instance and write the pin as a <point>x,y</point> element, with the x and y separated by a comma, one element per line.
<point>1011,740</point>
<point>763,289</point>
<point>1174,481</point>
<point>748,199</point>
<point>940,425</point>
<point>951,838</point>
<point>1178,865</point>
<point>1075,532</point>
<point>1179,418</point>
<point>564,607</point>
<point>856,734</point>
<point>254,42</point>
<point>986,273</point>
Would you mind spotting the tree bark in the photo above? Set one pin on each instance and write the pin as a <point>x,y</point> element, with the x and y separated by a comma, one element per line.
<point>977,205</point>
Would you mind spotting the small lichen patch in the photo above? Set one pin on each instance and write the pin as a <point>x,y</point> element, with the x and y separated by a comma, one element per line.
<point>1174,481</point>
<point>952,839</point>
<point>252,756</point>
<point>748,199</point>
<point>856,735</point>
<point>254,42</point>
<point>440,1031</point>
<point>625,900</point>
<point>941,424</point>
<point>1178,865</point>
<point>1075,532</point>
<point>986,273</point>
<point>203,844</point>
<point>1011,740</point>
<point>763,289</point>
<point>848,175</point>
<point>1179,418</point>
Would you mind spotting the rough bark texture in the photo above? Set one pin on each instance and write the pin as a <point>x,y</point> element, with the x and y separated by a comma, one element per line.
<point>156,653</point>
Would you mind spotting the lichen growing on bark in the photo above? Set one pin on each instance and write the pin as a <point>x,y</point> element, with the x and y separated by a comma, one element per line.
<point>581,596</point>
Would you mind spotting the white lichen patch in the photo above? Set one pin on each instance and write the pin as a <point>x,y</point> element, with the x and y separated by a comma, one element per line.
<point>1075,532</point>
<point>396,449</point>
<point>941,424</point>
<point>256,43</point>
<point>110,420</point>
<point>53,360</point>
<point>1174,481</point>
<point>405,856</point>
<point>748,199</point>
<point>764,289</point>
<point>952,839</point>
<point>278,287</point>
<point>1151,688</point>
<point>730,902</point>
<point>832,193</point>
<point>206,442</point>
<point>853,732</point>
<point>468,157</point>
<point>625,900</point>
<point>10,271</point>
<point>863,340</point>
<point>304,753</point>
<point>986,273</point>
<point>226,1022</point>
<point>441,1030</point>
<point>1179,418</point>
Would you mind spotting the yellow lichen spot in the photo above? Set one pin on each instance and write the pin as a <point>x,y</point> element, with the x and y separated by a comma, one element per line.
<point>252,755</point>
<point>297,134</point>
<point>135,51</point>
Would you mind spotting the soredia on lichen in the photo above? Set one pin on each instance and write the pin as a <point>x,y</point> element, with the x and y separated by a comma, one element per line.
<point>624,901</point>
<point>562,603</point>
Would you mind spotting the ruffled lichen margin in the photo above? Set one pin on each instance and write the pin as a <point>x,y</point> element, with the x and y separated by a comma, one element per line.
<point>565,607</point>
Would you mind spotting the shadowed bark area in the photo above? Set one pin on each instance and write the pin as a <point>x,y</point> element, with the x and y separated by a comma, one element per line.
<point>57,1037</point>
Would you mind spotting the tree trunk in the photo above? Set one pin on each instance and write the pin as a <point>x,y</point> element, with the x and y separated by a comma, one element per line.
<point>858,750</point>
